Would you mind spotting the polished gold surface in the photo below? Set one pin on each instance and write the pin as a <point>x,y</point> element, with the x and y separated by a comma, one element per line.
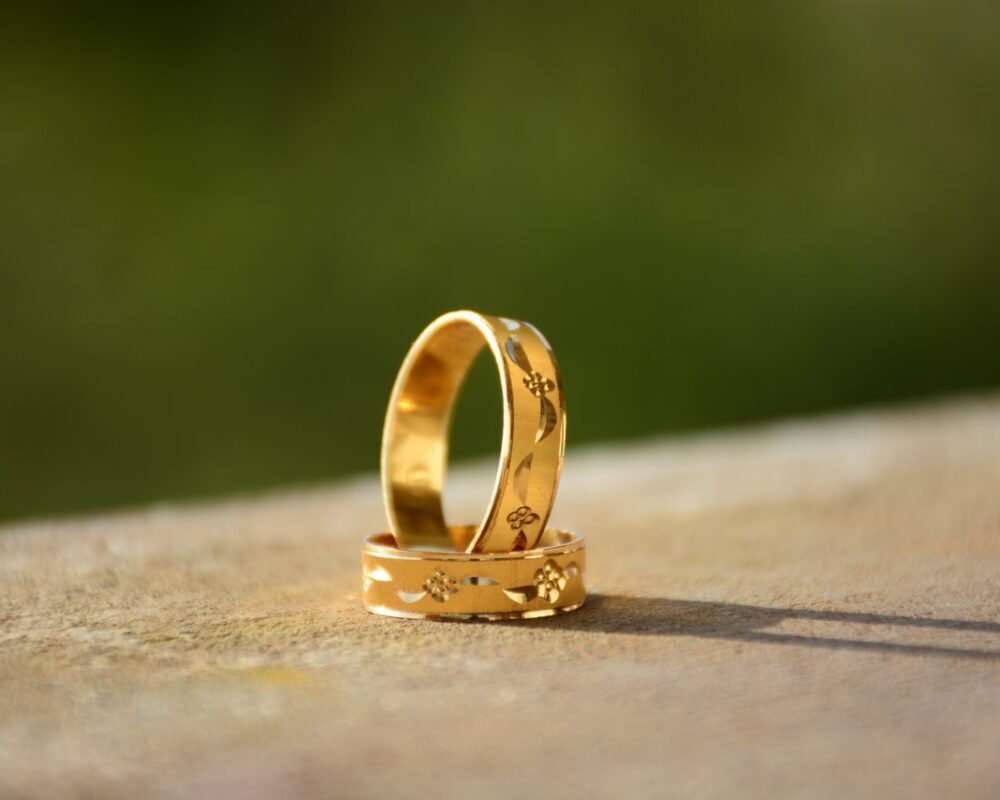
<point>542,582</point>
<point>415,438</point>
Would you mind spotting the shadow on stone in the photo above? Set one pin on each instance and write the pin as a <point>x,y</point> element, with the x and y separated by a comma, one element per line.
<point>661,616</point>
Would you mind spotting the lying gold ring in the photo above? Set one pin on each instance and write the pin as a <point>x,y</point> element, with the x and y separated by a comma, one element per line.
<point>415,438</point>
<point>419,584</point>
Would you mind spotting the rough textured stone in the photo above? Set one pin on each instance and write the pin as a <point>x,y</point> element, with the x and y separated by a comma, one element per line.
<point>809,608</point>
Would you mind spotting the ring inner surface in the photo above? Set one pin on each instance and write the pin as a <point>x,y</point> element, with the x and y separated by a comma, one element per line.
<point>417,448</point>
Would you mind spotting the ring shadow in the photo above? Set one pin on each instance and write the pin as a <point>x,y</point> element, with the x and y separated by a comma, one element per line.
<point>661,616</point>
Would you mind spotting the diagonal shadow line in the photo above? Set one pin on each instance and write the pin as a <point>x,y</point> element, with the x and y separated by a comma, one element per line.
<point>661,616</point>
<point>890,619</point>
<point>861,644</point>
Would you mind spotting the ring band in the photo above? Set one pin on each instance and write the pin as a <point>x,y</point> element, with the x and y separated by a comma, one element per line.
<point>415,437</point>
<point>416,584</point>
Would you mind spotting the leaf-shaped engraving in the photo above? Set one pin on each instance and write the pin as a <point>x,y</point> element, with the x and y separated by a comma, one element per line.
<point>521,476</point>
<point>380,574</point>
<point>478,580</point>
<point>547,418</point>
<point>522,594</point>
<point>410,597</point>
<point>515,351</point>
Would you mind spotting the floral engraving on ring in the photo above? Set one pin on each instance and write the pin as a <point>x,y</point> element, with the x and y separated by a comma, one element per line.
<point>440,586</point>
<point>550,580</point>
<point>538,384</point>
<point>520,517</point>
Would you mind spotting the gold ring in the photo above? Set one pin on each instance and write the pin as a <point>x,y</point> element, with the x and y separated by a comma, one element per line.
<point>417,584</point>
<point>415,437</point>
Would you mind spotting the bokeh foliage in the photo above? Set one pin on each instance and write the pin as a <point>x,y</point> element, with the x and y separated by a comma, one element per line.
<point>221,224</point>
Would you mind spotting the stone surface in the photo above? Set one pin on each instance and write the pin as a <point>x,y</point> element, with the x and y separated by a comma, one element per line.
<point>809,609</point>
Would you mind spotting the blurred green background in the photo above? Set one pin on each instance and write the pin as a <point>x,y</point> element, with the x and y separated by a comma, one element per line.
<point>221,225</point>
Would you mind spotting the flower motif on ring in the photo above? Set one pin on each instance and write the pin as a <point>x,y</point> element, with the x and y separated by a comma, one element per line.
<point>538,384</point>
<point>520,517</point>
<point>550,580</point>
<point>440,586</point>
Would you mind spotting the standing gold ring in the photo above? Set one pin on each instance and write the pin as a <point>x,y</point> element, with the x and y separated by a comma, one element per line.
<point>415,437</point>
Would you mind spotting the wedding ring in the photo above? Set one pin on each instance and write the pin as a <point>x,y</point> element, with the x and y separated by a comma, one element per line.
<point>509,566</point>
<point>415,437</point>
<point>419,584</point>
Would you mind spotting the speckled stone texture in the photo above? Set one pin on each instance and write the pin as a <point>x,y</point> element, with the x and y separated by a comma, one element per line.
<point>808,609</point>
